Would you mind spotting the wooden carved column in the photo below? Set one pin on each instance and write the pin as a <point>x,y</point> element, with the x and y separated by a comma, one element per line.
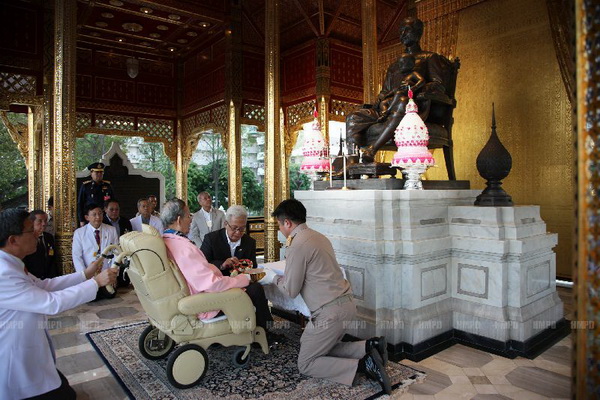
<point>323,85</point>
<point>64,128</point>
<point>587,294</point>
<point>233,96</point>
<point>272,129</point>
<point>369,50</point>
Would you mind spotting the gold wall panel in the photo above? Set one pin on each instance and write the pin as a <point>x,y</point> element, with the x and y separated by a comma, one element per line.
<point>507,57</point>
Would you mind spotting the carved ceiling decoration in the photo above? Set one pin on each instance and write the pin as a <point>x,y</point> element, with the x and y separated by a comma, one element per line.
<point>179,28</point>
<point>165,28</point>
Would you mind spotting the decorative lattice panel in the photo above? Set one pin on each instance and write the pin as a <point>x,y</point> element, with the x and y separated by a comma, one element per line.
<point>120,122</point>
<point>161,128</point>
<point>202,118</point>
<point>342,108</point>
<point>187,126</point>
<point>84,120</point>
<point>299,111</point>
<point>254,112</point>
<point>219,116</point>
<point>17,83</point>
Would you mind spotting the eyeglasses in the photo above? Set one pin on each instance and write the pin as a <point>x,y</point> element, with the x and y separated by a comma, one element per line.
<point>24,232</point>
<point>235,228</point>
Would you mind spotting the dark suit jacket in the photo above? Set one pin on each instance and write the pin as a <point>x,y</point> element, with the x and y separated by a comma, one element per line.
<point>216,248</point>
<point>124,224</point>
<point>41,263</point>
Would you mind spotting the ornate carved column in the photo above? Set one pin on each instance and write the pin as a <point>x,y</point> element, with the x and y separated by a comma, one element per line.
<point>233,96</point>
<point>272,128</point>
<point>587,293</point>
<point>369,50</point>
<point>48,93</point>
<point>34,160</point>
<point>181,165</point>
<point>284,157</point>
<point>323,85</point>
<point>64,128</point>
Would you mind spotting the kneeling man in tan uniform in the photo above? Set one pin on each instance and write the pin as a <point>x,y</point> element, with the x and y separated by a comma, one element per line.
<point>312,271</point>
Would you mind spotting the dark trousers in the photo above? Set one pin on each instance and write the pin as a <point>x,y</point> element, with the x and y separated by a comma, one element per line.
<point>257,295</point>
<point>63,392</point>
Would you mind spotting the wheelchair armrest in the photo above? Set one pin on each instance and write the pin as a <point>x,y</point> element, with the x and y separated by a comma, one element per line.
<point>235,303</point>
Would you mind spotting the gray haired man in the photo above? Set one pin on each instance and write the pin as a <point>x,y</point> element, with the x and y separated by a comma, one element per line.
<point>226,247</point>
<point>207,219</point>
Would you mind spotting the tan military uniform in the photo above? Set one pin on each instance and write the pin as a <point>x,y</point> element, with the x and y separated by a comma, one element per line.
<point>312,271</point>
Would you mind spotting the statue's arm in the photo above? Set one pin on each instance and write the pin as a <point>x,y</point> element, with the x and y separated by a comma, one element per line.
<point>417,81</point>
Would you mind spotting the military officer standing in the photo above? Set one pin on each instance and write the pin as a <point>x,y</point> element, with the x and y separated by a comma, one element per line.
<point>96,190</point>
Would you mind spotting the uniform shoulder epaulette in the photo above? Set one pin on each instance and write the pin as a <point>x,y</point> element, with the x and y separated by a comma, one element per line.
<point>103,181</point>
<point>86,182</point>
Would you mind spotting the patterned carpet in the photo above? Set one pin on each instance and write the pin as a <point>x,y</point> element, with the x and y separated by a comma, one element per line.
<point>272,376</point>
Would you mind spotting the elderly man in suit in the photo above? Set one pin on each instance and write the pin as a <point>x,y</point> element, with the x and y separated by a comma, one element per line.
<point>207,219</point>
<point>90,240</point>
<point>41,262</point>
<point>145,217</point>
<point>200,275</point>
<point>27,358</point>
<point>312,271</point>
<point>226,247</point>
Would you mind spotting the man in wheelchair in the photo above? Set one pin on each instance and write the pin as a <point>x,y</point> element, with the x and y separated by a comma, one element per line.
<point>200,275</point>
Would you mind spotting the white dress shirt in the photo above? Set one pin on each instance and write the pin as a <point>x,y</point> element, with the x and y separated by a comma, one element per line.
<point>136,223</point>
<point>85,247</point>
<point>232,245</point>
<point>27,358</point>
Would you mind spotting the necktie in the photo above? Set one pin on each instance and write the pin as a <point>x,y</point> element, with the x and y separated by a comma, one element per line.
<point>42,246</point>
<point>97,235</point>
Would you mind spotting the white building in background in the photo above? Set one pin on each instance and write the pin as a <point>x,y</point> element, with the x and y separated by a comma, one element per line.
<point>253,151</point>
<point>134,154</point>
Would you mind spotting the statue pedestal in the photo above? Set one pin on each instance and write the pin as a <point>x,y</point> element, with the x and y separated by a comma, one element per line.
<point>428,269</point>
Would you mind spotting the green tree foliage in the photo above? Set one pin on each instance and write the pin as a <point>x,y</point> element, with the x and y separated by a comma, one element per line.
<point>13,174</point>
<point>298,180</point>
<point>91,148</point>
<point>200,179</point>
<point>252,192</point>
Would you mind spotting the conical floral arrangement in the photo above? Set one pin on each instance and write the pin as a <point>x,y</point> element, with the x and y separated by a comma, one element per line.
<point>315,150</point>
<point>411,138</point>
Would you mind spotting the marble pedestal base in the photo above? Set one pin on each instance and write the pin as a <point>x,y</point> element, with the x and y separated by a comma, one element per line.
<point>429,269</point>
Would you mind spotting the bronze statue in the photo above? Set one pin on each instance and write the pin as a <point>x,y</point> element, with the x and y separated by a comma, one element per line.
<point>373,125</point>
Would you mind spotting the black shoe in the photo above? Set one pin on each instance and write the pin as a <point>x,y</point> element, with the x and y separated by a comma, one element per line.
<point>379,344</point>
<point>375,370</point>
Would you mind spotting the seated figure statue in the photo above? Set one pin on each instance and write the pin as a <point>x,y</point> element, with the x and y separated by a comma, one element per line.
<point>373,125</point>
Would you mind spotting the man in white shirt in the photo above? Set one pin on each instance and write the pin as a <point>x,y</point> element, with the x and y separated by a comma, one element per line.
<point>145,217</point>
<point>27,357</point>
<point>206,220</point>
<point>90,240</point>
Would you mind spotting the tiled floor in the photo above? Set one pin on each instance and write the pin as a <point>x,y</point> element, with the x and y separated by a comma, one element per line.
<point>456,373</point>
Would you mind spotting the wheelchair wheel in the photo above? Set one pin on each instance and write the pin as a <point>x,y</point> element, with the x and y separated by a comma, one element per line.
<point>187,366</point>
<point>151,347</point>
<point>237,358</point>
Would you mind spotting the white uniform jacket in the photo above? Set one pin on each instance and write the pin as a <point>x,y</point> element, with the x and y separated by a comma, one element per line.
<point>85,248</point>
<point>27,358</point>
<point>136,223</point>
<point>199,227</point>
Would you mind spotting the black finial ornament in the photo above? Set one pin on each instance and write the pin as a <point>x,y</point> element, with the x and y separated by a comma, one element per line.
<point>494,163</point>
